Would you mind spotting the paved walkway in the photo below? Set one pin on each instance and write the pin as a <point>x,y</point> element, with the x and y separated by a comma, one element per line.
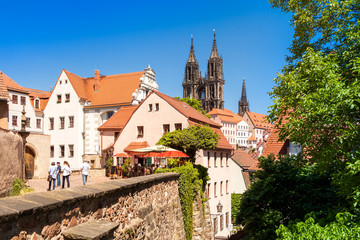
<point>41,185</point>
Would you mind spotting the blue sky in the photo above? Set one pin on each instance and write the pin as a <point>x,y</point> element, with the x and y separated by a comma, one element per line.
<point>40,38</point>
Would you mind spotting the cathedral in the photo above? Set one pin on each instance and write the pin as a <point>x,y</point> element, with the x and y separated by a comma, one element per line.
<point>209,89</point>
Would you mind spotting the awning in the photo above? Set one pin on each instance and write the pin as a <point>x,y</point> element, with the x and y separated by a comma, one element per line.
<point>175,154</point>
<point>125,155</point>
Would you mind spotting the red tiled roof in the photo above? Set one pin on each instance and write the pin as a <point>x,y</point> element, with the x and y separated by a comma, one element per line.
<point>243,159</point>
<point>185,109</point>
<point>252,138</point>
<point>114,89</point>
<point>274,146</point>
<point>136,145</point>
<point>222,143</point>
<point>4,94</point>
<point>42,95</point>
<point>259,120</point>
<point>11,84</point>
<point>225,115</point>
<point>119,119</point>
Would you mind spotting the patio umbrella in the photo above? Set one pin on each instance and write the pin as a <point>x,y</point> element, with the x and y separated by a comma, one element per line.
<point>125,155</point>
<point>173,154</point>
<point>156,148</point>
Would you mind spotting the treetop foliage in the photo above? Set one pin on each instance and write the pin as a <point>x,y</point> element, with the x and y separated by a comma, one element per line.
<point>191,139</point>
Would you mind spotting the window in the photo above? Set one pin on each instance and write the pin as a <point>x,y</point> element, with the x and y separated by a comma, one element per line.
<point>23,100</point>
<point>221,188</point>
<point>67,97</point>
<point>58,99</point>
<point>109,114</point>
<point>227,219</point>
<point>227,186</point>
<point>215,159</point>
<point>71,121</point>
<point>227,159</point>
<point>150,107</point>
<point>38,123</point>
<point>221,159</point>
<point>116,134</point>
<point>166,128</point>
<point>14,120</point>
<point>208,190</point>
<point>14,99</point>
<point>215,225</point>
<point>62,151</point>
<point>215,190</point>
<point>71,150</point>
<point>62,122</point>
<point>178,126</point>
<point>208,159</point>
<point>51,151</point>
<point>221,222</point>
<point>51,123</point>
<point>27,123</point>
<point>140,131</point>
<point>156,107</point>
<point>37,103</point>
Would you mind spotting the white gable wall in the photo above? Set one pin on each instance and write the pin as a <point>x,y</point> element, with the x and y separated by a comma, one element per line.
<point>67,136</point>
<point>152,121</point>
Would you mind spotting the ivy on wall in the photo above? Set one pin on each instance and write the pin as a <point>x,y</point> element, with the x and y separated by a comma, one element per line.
<point>189,186</point>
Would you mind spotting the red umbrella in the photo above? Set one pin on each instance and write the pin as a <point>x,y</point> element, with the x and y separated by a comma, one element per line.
<point>122,155</point>
<point>173,154</point>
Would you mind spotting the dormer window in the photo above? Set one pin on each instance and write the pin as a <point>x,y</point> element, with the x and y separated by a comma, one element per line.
<point>58,98</point>
<point>37,103</point>
<point>67,97</point>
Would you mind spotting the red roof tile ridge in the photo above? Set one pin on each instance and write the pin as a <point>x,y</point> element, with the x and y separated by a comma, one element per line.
<point>11,84</point>
<point>187,110</point>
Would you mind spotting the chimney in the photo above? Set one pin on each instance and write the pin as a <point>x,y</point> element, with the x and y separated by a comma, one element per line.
<point>97,80</point>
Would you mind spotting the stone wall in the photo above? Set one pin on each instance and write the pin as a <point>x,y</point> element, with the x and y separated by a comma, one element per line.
<point>202,220</point>
<point>146,207</point>
<point>11,153</point>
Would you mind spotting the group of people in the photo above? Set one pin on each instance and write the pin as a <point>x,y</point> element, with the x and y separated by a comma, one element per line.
<point>55,172</point>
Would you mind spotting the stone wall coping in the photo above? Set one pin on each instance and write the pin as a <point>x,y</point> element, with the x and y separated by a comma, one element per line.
<point>11,207</point>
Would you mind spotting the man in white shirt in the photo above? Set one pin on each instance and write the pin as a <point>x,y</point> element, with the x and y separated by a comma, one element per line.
<point>85,170</point>
<point>52,172</point>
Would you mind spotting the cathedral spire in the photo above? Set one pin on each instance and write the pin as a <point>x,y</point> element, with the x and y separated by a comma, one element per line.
<point>192,52</point>
<point>214,52</point>
<point>243,92</point>
<point>243,102</point>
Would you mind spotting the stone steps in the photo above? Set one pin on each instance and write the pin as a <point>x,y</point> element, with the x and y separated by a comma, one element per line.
<point>91,230</point>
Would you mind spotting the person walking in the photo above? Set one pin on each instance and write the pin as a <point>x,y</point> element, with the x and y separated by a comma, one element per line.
<point>85,170</point>
<point>66,173</point>
<point>52,173</point>
<point>58,171</point>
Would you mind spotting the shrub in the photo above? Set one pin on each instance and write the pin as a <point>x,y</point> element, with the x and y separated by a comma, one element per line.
<point>18,184</point>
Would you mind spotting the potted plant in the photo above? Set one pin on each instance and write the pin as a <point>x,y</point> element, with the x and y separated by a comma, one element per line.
<point>109,164</point>
<point>125,168</point>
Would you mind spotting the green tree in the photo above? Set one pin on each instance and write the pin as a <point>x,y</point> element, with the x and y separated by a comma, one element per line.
<point>287,189</point>
<point>319,90</point>
<point>196,104</point>
<point>191,139</point>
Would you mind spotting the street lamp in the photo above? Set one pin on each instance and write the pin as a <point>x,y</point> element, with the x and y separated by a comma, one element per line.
<point>219,207</point>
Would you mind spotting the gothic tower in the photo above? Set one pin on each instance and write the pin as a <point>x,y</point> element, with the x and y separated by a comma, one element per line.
<point>192,78</point>
<point>214,83</point>
<point>243,102</point>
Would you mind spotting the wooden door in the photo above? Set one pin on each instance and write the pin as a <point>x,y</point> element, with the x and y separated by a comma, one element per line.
<point>29,163</point>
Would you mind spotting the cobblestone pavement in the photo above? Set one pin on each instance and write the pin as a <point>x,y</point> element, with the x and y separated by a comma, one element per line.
<point>41,185</point>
